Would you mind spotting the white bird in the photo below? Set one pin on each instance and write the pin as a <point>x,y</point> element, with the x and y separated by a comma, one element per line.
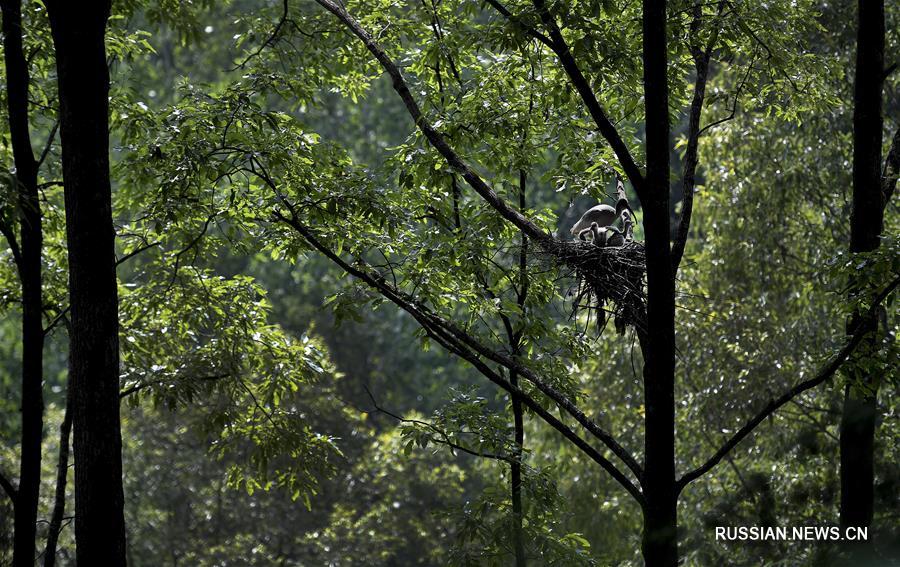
<point>603,215</point>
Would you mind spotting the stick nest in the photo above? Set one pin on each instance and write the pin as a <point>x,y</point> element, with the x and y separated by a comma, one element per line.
<point>610,280</point>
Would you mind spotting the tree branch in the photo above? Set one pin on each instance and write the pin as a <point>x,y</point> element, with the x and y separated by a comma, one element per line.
<point>62,469</point>
<point>13,242</point>
<point>701,63</point>
<point>826,372</point>
<point>48,145</point>
<point>475,346</point>
<point>464,346</point>
<point>269,40</point>
<point>378,282</point>
<point>431,134</point>
<point>443,438</point>
<point>8,488</point>
<point>581,84</point>
<point>144,385</point>
<point>520,22</point>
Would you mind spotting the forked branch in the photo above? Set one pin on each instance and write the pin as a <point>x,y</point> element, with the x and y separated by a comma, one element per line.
<point>701,56</point>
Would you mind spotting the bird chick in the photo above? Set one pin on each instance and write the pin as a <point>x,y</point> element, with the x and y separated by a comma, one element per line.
<point>614,237</point>
<point>598,237</point>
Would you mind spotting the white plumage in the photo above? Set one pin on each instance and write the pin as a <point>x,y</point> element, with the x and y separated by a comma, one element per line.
<point>603,215</point>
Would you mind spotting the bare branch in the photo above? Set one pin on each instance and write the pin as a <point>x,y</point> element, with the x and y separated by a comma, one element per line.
<point>136,251</point>
<point>48,145</point>
<point>62,468</point>
<point>826,372</point>
<point>144,385</point>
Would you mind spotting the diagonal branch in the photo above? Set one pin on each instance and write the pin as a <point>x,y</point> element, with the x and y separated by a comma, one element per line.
<point>47,146</point>
<point>581,84</point>
<point>401,299</point>
<point>558,397</point>
<point>701,58</point>
<point>139,386</point>
<point>467,348</point>
<point>8,488</point>
<point>13,242</point>
<point>520,22</point>
<point>431,134</point>
<point>283,19</point>
<point>826,372</point>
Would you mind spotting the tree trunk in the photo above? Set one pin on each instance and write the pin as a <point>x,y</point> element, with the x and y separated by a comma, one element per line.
<point>29,268</point>
<point>518,410</point>
<point>78,36</point>
<point>858,419</point>
<point>660,544</point>
<point>62,472</point>
<point>516,478</point>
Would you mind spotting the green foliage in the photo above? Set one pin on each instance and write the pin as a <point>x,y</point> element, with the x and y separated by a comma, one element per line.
<point>246,352</point>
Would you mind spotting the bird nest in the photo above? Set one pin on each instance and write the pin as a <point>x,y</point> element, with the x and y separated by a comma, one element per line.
<point>609,281</point>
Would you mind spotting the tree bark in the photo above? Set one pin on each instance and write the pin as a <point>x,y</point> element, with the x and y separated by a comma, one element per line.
<point>659,545</point>
<point>78,36</point>
<point>62,472</point>
<point>518,410</point>
<point>29,268</point>
<point>516,477</point>
<point>866,222</point>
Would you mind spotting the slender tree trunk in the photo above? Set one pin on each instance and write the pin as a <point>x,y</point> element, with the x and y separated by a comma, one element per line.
<point>78,36</point>
<point>659,545</point>
<point>516,478</point>
<point>858,419</point>
<point>29,267</point>
<point>62,472</point>
<point>518,410</point>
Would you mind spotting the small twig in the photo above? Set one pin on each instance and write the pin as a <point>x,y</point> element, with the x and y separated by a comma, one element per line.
<point>47,146</point>
<point>444,437</point>
<point>269,40</point>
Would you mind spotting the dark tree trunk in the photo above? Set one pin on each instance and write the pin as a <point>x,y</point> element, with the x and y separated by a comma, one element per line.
<point>62,470</point>
<point>516,478</point>
<point>858,419</point>
<point>518,410</point>
<point>29,268</point>
<point>78,36</point>
<point>660,545</point>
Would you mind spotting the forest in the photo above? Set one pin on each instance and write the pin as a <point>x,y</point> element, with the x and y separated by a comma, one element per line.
<point>449,282</point>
